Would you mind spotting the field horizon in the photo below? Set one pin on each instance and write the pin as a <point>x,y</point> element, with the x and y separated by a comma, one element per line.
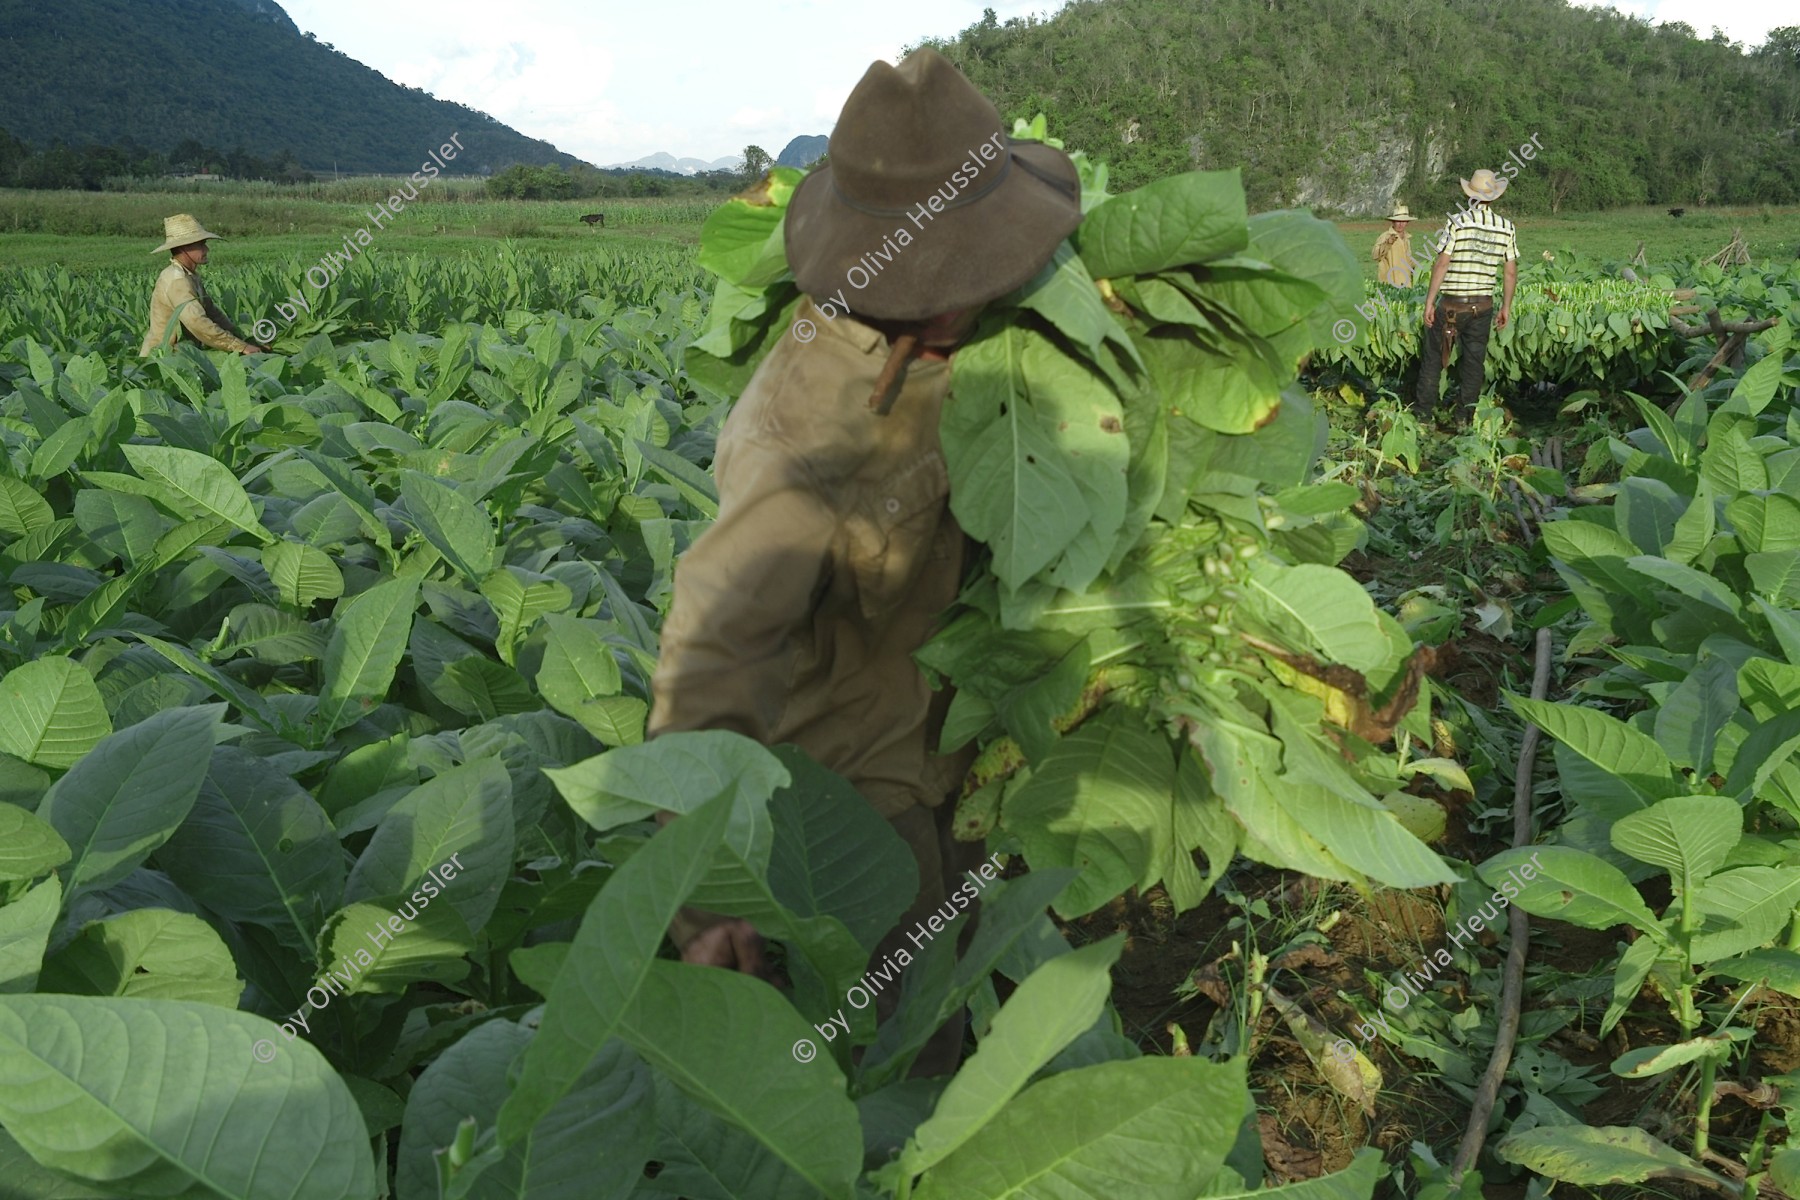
<point>85,231</point>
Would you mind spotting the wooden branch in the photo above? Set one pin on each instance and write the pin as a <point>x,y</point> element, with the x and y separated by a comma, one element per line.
<point>1715,327</point>
<point>1725,349</point>
<point>1512,990</point>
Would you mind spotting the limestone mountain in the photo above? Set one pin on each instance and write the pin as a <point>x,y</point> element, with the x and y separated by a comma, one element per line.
<point>226,73</point>
<point>1346,105</point>
<point>662,160</point>
<point>803,151</point>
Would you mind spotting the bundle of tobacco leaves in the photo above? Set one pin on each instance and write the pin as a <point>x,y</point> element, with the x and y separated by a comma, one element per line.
<point>1159,652</point>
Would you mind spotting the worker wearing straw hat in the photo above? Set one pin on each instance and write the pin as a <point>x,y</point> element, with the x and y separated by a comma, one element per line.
<point>1475,244</point>
<point>1393,250</point>
<point>795,617</point>
<point>180,301</point>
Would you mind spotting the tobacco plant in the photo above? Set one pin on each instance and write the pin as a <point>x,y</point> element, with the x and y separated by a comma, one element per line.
<point>290,642</point>
<point>1690,580</point>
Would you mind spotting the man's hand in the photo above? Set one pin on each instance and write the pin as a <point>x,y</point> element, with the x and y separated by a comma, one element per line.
<point>254,349</point>
<point>1430,312</point>
<point>1505,316</point>
<point>734,945</point>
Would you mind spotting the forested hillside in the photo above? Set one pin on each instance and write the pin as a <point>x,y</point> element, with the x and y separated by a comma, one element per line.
<point>1345,104</point>
<point>235,74</point>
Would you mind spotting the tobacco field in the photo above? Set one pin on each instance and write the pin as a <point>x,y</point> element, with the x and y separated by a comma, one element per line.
<point>1247,660</point>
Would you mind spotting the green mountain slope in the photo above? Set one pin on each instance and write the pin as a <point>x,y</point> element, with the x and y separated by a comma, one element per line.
<point>227,73</point>
<point>804,150</point>
<point>1345,104</point>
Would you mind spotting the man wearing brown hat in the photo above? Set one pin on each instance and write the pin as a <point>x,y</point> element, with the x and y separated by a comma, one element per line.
<point>1393,250</point>
<point>796,615</point>
<point>1471,251</point>
<point>180,300</point>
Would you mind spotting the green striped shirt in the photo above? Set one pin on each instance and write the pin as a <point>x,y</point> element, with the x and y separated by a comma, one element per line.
<point>1478,240</point>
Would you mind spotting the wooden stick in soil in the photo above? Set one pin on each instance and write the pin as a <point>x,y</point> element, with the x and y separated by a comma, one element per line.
<point>1513,989</point>
<point>1730,346</point>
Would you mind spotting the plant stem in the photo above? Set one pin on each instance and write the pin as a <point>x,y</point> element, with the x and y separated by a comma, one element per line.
<point>1703,1107</point>
<point>1759,1146</point>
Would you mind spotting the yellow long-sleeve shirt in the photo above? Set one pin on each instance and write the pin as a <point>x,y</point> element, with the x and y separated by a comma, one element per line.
<point>1393,256</point>
<point>180,294</point>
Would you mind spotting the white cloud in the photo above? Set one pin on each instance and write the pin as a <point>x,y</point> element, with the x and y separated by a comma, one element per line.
<point>1745,21</point>
<point>754,118</point>
<point>614,82</point>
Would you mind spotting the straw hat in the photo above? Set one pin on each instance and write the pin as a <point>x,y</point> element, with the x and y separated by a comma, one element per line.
<point>181,230</point>
<point>904,133</point>
<point>1400,213</point>
<point>1484,185</point>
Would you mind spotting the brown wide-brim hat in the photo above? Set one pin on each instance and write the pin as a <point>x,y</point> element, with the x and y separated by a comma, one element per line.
<point>182,230</point>
<point>919,152</point>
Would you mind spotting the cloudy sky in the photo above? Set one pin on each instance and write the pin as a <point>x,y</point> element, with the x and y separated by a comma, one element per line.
<point>611,82</point>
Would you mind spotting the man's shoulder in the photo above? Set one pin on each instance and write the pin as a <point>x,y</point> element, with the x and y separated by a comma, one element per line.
<point>1479,220</point>
<point>809,399</point>
<point>802,400</point>
<point>175,280</point>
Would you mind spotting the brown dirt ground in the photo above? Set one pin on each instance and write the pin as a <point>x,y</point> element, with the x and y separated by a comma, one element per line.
<point>1308,1129</point>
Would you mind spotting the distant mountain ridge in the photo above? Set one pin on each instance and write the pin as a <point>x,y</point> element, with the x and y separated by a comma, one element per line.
<point>227,73</point>
<point>802,151</point>
<point>664,161</point>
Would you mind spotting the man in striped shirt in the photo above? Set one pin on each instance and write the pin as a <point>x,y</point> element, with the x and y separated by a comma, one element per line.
<point>1471,251</point>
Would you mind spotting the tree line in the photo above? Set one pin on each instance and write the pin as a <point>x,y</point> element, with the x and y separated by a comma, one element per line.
<point>92,167</point>
<point>525,182</point>
<point>97,167</point>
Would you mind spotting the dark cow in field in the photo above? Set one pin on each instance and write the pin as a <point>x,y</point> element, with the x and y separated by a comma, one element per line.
<point>1676,212</point>
<point>594,219</point>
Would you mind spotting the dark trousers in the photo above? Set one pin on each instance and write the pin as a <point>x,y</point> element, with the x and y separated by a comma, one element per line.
<point>1471,328</point>
<point>942,860</point>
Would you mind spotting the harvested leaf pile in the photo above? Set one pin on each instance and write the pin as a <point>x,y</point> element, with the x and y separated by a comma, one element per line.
<point>1159,653</point>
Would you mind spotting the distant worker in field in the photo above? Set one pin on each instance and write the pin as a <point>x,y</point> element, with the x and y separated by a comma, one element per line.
<point>1393,250</point>
<point>180,300</point>
<point>1472,248</point>
<point>796,616</point>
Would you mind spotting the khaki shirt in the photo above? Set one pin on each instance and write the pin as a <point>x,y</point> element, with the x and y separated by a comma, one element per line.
<point>1393,254</point>
<point>179,291</point>
<point>795,616</point>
